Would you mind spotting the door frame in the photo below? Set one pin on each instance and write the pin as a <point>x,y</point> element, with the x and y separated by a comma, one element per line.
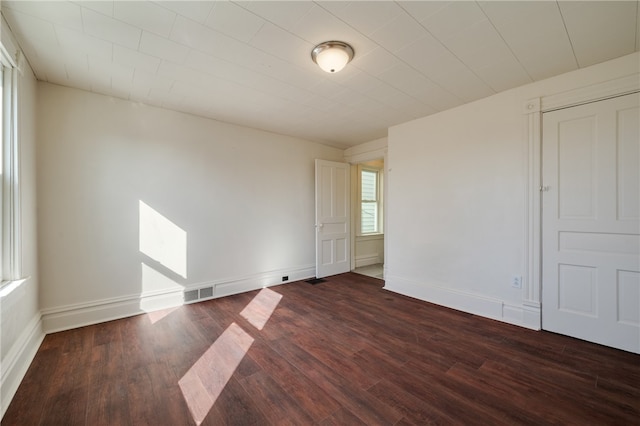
<point>355,159</point>
<point>533,110</point>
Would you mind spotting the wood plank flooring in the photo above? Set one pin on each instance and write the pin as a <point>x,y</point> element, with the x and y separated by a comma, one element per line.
<point>343,352</point>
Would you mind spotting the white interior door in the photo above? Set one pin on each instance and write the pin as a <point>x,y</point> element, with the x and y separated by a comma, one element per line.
<point>332,218</point>
<point>591,222</point>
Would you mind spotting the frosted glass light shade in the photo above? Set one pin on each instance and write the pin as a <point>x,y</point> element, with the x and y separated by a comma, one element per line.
<point>332,59</point>
<point>332,56</point>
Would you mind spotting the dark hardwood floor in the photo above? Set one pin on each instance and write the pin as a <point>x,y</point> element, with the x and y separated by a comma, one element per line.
<point>344,352</point>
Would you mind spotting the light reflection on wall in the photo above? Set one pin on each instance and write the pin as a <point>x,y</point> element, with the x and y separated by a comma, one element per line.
<point>154,282</point>
<point>162,240</point>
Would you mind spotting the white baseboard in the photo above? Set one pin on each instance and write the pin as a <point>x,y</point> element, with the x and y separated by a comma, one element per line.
<point>17,361</point>
<point>521,315</point>
<point>97,311</point>
<point>228,287</point>
<point>366,260</point>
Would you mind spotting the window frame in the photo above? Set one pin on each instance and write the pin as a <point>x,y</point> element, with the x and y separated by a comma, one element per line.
<point>10,205</point>
<point>378,201</point>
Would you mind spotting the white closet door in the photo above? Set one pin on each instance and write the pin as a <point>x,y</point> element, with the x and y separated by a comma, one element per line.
<point>590,222</point>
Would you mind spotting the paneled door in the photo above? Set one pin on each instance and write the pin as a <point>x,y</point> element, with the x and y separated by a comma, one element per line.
<point>332,218</point>
<point>591,222</point>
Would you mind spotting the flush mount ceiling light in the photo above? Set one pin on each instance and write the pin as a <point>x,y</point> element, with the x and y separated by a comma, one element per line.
<point>332,56</point>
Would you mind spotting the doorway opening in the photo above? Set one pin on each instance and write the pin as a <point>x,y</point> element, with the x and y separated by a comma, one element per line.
<point>367,232</point>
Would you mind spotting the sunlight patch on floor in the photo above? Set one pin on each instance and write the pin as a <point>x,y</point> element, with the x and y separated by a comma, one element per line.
<point>207,378</point>
<point>260,309</point>
<point>156,316</point>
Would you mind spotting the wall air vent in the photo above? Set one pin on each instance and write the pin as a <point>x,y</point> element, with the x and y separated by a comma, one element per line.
<point>206,292</point>
<point>191,296</point>
<point>198,294</point>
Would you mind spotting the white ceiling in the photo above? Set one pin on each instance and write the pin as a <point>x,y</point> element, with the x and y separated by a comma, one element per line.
<point>248,62</point>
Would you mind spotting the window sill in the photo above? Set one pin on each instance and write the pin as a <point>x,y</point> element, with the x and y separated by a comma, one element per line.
<point>8,287</point>
<point>367,237</point>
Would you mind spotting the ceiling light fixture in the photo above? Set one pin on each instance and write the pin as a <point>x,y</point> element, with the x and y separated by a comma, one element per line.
<point>332,56</point>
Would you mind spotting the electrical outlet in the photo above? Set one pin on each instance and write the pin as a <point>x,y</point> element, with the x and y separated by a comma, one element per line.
<point>516,281</point>
<point>285,278</point>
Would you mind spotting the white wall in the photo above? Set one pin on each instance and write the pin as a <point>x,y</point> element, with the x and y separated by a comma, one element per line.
<point>20,327</point>
<point>244,199</point>
<point>369,250</point>
<point>456,230</point>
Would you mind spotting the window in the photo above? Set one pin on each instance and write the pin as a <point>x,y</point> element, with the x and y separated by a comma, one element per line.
<point>370,191</point>
<point>10,249</point>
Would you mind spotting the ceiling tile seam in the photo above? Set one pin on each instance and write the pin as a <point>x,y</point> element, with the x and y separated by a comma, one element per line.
<point>159,57</point>
<point>566,30</point>
<point>167,106</point>
<point>394,87</point>
<point>310,42</point>
<point>134,77</point>
<point>240,83</point>
<point>505,42</point>
<point>55,29</point>
<point>398,58</point>
<point>173,24</point>
<point>253,36</point>
<point>20,47</point>
<point>80,3</point>
<point>86,56</point>
<point>403,61</point>
<point>283,80</point>
<point>204,23</point>
<point>84,31</point>
<point>142,32</point>
<point>206,19</point>
<point>262,18</point>
<point>66,69</point>
<point>449,50</point>
<point>363,35</point>
<point>96,89</point>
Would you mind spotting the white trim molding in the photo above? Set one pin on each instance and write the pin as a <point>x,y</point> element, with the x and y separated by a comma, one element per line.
<point>367,260</point>
<point>533,110</point>
<point>11,267</point>
<point>521,315</point>
<point>17,361</point>
<point>367,151</point>
<point>97,311</point>
<point>531,284</point>
<point>596,92</point>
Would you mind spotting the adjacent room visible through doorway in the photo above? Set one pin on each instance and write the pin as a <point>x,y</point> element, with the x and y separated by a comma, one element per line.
<point>368,218</point>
